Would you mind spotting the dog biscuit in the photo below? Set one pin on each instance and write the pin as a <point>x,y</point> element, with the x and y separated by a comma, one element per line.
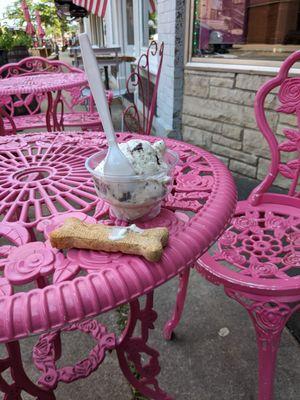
<point>74,233</point>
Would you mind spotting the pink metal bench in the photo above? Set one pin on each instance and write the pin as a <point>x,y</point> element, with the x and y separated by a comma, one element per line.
<point>73,99</point>
<point>257,259</point>
<point>140,118</point>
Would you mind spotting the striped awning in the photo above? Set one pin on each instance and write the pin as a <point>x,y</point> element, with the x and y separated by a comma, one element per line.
<point>98,7</point>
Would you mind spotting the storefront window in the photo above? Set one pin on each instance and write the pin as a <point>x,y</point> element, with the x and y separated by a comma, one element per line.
<point>249,29</point>
<point>149,23</point>
<point>129,21</point>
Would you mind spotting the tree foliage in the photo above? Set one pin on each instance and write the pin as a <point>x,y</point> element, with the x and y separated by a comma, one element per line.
<point>52,24</point>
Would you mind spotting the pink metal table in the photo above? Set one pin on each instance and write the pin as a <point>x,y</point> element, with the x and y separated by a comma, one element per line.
<point>42,181</point>
<point>39,85</point>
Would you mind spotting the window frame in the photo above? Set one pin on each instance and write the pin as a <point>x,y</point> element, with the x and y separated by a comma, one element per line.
<point>220,64</point>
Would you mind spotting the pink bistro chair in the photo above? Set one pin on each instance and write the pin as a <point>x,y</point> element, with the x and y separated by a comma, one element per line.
<point>72,99</point>
<point>138,117</point>
<point>257,259</point>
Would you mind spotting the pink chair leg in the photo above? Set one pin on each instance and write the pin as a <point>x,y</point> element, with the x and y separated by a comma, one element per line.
<point>269,317</point>
<point>180,300</point>
<point>267,352</point>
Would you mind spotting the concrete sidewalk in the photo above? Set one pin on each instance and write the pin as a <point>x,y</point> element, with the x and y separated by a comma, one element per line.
<point>198,364</point>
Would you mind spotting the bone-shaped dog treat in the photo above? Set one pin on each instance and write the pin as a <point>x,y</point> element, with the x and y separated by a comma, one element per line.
<point>74,233</point>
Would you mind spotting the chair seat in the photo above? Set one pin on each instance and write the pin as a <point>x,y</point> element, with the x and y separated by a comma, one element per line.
<point>80,119</point>
<point>260,250</point>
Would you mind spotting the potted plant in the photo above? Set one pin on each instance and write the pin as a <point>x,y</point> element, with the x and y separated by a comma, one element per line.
<point>6,40</point>
<point>20,45</point>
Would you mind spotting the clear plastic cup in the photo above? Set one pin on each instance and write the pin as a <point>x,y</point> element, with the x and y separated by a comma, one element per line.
<point>133,197</point>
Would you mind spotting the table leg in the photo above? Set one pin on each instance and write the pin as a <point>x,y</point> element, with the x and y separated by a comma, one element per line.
<point>4,114</point>
<point>180,300</point>
<point>106,77</point>
<point>49,111</point>
<point>58,125</point>
<point>21,382</point>
<point>131,349</point>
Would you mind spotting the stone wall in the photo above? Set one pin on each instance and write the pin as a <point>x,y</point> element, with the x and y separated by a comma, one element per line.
<point>171,22</point>
<point>218,115</point>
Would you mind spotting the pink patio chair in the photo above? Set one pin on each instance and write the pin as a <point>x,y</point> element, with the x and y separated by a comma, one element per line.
<point>138,117</point>
<point>257,260</point>
<point>73,98</point>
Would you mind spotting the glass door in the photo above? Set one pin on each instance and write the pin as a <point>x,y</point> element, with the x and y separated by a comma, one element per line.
<point>128,24</point>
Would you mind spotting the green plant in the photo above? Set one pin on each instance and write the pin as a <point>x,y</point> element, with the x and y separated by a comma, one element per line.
<point>6,39</point>
<point>20,38</point>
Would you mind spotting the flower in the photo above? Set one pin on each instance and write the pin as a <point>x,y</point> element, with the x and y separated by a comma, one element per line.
<point>229,238</point>
<point>84,368</point>
<point>246,222</point>
<point>294,239</point>
<point>89,325</point>
<point>28,262</point>
<point>232,256</point>
<point>42,349</point>
<point>290,91</point>
<point>292,259</point>
<point>48,225</point>
<point>263,270</point>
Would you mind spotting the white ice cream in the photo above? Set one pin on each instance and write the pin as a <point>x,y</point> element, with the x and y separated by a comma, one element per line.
<point>147,160</point>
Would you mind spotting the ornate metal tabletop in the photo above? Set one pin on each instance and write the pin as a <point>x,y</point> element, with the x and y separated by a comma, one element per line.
<point>41,83</point>
<point>43,181</point>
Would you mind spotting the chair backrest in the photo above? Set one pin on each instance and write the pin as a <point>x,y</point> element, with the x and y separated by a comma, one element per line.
<point>140,119</point>
<point>288,88</point>
<point>32,104</point>
<point>35,65</point>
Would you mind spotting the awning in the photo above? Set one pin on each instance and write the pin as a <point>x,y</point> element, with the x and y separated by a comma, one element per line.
<point>40,30</point>
<point>29,27</point>
<point>96,7</point>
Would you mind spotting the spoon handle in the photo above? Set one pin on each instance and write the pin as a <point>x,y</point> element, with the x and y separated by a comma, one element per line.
<point>96,86</point>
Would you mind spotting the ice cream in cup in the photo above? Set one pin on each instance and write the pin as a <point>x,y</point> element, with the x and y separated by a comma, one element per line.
<point>138,196</point>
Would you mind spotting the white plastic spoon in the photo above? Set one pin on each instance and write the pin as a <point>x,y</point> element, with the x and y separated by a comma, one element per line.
<point>115,162</point>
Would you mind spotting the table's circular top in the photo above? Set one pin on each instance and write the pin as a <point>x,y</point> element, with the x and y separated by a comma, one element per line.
<point>43,181</point>
<point>41,83</point>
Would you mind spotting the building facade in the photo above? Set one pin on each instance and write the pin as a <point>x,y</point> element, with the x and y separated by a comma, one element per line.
<point>232,47</point>
<point>130,24</point>
<point>217,54</point>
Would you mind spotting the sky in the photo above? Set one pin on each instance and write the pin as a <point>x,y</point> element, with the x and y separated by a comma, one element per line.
<point>3,5</point>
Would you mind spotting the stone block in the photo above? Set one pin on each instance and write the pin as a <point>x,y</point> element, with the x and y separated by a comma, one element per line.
<point>271,102</point>
<point>222,82</point>
<point>235,154</point>
<point>231,131</point>
<point>255,143</point>
<point>235,96</point>
<point>239,96</point>
<point>197,137</point>
<point>282,127</point>
<point>232,144</point>
<point>220,111</point>
<point>288,119</point>
<point>196,85</point>
<point>242,168</point>
<point>262,171</point>
<point>250,81</point>
<point>200,123</point>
